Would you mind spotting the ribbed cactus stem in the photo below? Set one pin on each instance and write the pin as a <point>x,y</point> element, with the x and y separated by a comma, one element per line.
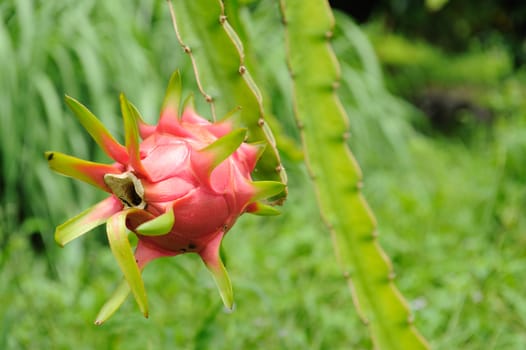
<point>337,177</point>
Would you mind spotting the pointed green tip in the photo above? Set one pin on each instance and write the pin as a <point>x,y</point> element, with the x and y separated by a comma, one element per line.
<point>116,300</point>
<point>261,209</point>
<point>48,155</point>
<point>235,113</point>
<point>59,238</point>
<point>135,112</point>
<point>189,102</point>
<point>223,147</point>
<point>211,256</point>
<point>70,101</point>
<point>80,169</point>
<point>260,148</point>
<point>172,97</point>
<point>266,189</point>
<point>117,233</point>
<point>223,283</point>
<point>86,221</point>
<point>97,130</point>
<point>161,225</point>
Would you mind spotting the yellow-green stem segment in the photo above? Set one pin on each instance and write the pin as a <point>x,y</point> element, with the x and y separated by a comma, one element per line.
<point>337,177</point>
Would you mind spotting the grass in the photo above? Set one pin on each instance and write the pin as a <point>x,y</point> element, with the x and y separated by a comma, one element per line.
<point>449,208</point>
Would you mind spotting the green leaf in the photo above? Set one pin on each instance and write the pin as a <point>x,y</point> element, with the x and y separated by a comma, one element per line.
<point>121,249</point>
<point>337,176</point>
<point>97,131</point>
<point>161,225</point>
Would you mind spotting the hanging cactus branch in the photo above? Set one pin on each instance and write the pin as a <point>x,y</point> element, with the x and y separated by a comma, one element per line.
<point>337,177</point>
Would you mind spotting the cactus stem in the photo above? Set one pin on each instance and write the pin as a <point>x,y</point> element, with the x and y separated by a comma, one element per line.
<point>187,49</point>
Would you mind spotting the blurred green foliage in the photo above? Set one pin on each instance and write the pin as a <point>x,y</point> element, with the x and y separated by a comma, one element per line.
<point>449,206</point>
<point>83,49</point>
<point>453,24</point>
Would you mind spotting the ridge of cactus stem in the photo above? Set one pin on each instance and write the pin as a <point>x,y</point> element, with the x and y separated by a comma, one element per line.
<point>97,131</point>
<point>266,189</point>
<point>87,220</point>
<point>212,260</point>
<point>117,233</point>
<point>336,176</point>
<point>131,136</point>
<point>80,169</point>
<point>158,226</point>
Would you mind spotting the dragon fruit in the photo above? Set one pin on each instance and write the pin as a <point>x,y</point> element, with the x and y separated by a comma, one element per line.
<point>179,190</point>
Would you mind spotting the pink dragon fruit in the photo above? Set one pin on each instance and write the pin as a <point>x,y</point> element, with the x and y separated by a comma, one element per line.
<point>179,190</point>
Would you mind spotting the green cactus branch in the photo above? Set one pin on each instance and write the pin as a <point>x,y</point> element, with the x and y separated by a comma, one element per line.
<point>337,176</point>
<point>218,61</point>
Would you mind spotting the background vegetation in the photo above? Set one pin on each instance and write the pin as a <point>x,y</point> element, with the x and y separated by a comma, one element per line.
<point>439,129</point>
